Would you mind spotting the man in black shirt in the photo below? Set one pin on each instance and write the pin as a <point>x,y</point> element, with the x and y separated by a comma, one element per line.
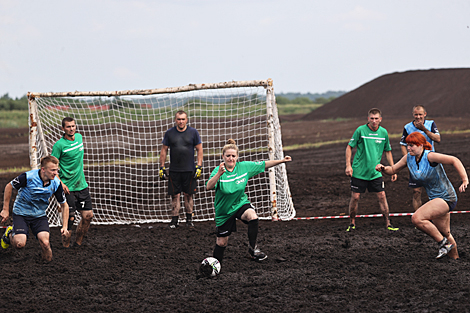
<point>181,140</point>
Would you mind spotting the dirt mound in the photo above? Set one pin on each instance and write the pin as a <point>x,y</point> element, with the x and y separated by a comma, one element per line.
<point>444,93</point>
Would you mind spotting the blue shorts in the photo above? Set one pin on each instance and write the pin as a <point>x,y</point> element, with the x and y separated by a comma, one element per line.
<point>21,225</point>
<point>230,226</point>
<point>360,185</point>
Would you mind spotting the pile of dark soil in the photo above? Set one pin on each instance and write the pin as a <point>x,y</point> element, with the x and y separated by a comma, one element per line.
<point>444,93</point>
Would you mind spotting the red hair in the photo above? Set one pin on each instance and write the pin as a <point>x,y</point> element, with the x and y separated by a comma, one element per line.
<point>418,139</point>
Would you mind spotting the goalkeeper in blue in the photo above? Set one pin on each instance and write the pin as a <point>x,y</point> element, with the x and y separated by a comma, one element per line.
<point>425,166</point>
<point>183,174</point>
<point>229,180</point>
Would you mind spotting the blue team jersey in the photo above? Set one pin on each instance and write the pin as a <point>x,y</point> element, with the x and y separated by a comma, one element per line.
<point>33,197</point>
<point>411,128</point>
<point>432,176</point>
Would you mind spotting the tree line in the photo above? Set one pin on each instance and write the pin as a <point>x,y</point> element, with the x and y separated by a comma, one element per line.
<point>9,104</point>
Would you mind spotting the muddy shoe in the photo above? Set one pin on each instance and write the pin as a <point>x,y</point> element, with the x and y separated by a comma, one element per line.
<point>351,227</point>
<point>256,254</point>
<point>391,228</point>
<point>5,241</point>
<point>444,250</point>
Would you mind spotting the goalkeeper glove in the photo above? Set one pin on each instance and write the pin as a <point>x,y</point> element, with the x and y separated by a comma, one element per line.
<point>162,172</point>
<point>198,172</point>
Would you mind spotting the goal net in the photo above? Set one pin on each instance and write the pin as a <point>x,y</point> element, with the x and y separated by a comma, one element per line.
<point>122,136</point>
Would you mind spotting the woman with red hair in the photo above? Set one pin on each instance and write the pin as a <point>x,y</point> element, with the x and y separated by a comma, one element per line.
<point>433,217</point>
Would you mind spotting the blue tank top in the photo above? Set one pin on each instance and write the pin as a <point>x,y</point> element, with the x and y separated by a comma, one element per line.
<point>432,176</point>
<point>33,199</point>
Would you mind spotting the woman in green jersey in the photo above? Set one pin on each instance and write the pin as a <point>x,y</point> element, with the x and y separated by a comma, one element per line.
<point>229,180</point>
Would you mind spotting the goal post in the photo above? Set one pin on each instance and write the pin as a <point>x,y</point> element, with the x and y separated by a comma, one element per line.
<point>122,136</point>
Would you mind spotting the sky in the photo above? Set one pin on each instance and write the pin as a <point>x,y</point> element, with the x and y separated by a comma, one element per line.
<point>303,45</point>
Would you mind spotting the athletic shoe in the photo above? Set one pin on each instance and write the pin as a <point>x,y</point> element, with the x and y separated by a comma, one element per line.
<point>442,243</point>
<point>5,241</point>
<point>190,224</point>
<point>351,227</point>
<point>444,250</point>
<point>256,254</point>
<point>390,227</point>
<point>173,226</point>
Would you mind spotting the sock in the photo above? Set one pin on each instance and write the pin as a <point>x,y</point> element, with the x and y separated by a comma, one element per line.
<point>253,232</point>
<point>219,252</point>
<point>174,220</point>
<point>189,217</point>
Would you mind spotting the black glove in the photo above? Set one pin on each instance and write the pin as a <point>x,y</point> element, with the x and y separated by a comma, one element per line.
<point>162,173</point>
<point>198,172</point>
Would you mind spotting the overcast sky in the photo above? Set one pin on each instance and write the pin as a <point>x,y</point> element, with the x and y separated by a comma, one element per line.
<point>303,45</point>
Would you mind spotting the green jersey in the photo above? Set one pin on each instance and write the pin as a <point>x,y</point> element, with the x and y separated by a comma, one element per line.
<point>370,147</point>
<point>230,189</point>
<point>70,155</point>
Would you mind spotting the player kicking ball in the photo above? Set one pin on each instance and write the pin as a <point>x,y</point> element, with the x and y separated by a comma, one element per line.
<point>229,180</point>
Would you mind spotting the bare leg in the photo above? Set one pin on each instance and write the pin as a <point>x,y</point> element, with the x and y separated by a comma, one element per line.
<point>353,204</point>
<point>436,210</point>
<point>188,203</point>
<point>46,252</point>
<point>383,204</point>
<point>176,205</point>
<point>417,198</point>
<point>443,225</point>
<point>83,226</point>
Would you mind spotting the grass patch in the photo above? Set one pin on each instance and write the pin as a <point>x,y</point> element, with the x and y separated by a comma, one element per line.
<point>14,119</point>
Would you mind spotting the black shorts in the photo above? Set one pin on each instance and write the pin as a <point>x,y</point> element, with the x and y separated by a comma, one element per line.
<point>230,226</point>
<point>182,182</point>
<point>414,184</point>
<point>79,200</point>
<point>21,225</point>
<point>360,185</point>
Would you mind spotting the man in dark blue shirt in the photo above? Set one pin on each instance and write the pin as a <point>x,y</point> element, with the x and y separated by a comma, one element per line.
<point>181,140</point>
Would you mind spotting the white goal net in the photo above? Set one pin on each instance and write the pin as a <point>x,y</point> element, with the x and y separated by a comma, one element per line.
<point>122,135</point>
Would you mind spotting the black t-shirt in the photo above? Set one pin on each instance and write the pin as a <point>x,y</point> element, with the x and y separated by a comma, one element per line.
<point>181,146</point>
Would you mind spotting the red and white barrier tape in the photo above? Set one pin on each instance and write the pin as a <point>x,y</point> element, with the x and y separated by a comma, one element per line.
<point>364,215</point>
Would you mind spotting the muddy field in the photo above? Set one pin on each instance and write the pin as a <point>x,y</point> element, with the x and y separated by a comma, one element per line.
<point>312,265</point>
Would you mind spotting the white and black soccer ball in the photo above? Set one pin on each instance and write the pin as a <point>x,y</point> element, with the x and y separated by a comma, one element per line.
<point>210,263</point>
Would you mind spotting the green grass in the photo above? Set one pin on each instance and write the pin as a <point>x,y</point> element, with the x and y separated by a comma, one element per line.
<point>14,119</point>
<point>286,109</point>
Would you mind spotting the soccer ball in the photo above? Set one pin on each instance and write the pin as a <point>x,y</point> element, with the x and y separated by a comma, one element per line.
<point>210,263</point>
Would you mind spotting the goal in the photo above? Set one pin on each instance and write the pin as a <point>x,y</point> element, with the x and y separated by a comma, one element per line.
<point>122,134</point>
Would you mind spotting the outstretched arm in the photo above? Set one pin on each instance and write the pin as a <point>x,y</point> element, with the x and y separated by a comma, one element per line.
<point>455,162</point>
<point>272,163</point>
<point>391,170</point>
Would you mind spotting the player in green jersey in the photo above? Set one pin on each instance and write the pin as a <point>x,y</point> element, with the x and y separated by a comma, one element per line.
<point>69,151</point>
<point>229,180</point>
<point>371,141</point>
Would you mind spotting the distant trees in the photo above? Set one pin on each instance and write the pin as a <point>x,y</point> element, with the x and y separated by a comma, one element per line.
<point>280,100</point>
<point>9,104</point>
